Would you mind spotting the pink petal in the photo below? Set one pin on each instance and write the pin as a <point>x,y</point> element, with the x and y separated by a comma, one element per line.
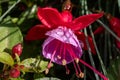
<point>63,34</point>
<point>49,17</point>
<point>83,21</point>
<point>82,38</point>
<point>67,16</point>
<point>58,51</point>
<point>37,32</point>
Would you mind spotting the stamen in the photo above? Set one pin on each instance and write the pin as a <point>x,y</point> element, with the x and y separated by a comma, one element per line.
<point>49,64</point>
<point>64,62</point>
<point>48,67</point>
<point>61,49</point>
<point>78,67</point>
<point>64,48</point>
<point>75,68</point>
<point>77,60</point>
<point>72,56</point>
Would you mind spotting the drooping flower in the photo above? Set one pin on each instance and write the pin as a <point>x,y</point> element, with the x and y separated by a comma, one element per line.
<point>115,26</point>
<point>62,45</point>
<point>52,19</point>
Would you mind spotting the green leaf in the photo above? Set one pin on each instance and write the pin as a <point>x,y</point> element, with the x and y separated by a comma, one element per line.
<point>47,78</point>
<point>6,58</point>
<point>34,65</point>
<point>43,65</point>
<point>28,64</point>
<point>10,35</point>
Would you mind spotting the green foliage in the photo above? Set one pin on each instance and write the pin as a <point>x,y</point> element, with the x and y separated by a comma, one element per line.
<point>9,36</point>
<point>6,58</point>
<point>34,65</point>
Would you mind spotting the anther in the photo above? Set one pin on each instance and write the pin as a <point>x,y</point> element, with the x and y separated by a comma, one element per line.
<point>77,60</point>
<point>59,57</point>
<point>46,71</point>
<point>81,75</point>
<point>64,62</point>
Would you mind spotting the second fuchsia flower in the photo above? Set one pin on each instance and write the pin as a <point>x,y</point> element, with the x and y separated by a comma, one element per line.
<point>64,40</point>
<point>115,26</point>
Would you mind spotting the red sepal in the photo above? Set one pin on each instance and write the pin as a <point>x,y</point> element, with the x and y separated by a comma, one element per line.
<point>37,32</point>
<point>83,21</point>
<point>99,30</point>
<point>50,17</point>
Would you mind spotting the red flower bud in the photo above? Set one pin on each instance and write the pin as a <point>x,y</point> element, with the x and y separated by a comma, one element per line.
<point>17,49</point>
<point>14,73</point>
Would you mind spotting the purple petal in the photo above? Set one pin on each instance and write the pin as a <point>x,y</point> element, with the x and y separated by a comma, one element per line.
<point>59,49</point>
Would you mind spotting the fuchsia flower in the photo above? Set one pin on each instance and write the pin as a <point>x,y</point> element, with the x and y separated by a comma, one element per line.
<point>52,19</point>
<point>62,45</point>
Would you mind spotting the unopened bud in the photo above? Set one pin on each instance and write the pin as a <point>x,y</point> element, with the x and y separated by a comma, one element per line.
<point>17,49</point>
<point>14,73</point>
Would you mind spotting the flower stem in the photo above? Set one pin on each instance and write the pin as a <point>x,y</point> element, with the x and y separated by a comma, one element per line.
<point>97,51</point>
<point>90,54</point>
<point>88,45</point>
